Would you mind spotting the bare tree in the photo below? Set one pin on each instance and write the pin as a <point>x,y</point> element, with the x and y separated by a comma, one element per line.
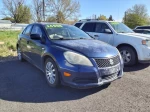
<point>15,9</point>
<point>68,8</point>
<point>37,10</point>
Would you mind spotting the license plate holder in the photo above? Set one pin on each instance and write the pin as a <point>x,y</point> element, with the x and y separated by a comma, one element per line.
<point>110,70</point>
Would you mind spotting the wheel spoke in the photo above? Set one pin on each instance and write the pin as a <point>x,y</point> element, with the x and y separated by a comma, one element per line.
<point>52,79</point>
<point>128,54</point>
<point>124,52</point>
<point>128,59</point>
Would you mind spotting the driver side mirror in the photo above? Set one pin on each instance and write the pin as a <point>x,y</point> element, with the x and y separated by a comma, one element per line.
<point>108,31</point>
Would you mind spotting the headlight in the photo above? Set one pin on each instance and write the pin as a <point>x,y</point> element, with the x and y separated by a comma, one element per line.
<point>75,58</point>
<point>146,42</point>
<point>120,57</point>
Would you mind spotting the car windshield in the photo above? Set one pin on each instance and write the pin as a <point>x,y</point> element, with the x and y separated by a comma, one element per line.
<point>58,31</point>
<point>120,27</point>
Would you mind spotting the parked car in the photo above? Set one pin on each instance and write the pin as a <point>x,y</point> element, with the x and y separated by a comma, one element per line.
<point>142,31</point>
<point>142,27</point>
<point>69,56</point>
<point>133,47</point>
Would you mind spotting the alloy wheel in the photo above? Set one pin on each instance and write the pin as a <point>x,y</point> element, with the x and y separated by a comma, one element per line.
<point>126,56</point>
<point>50,72</point>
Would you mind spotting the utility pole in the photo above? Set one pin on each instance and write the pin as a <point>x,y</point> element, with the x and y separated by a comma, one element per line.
<point>44,10</point>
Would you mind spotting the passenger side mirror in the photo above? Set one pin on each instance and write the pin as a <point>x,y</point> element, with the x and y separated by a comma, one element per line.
<point>35,37</point>
<point>108,31</point>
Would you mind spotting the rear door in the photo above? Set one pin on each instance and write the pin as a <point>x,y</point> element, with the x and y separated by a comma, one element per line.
<point>24,42</point>
<point>89,28</point>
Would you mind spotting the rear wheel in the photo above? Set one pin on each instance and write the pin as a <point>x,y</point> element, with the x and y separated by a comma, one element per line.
<point>51,72</point>
<point>19,54</point>
<point>129,55</point>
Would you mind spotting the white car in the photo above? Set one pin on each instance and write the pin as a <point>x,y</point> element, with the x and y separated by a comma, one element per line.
<point>133,47</point>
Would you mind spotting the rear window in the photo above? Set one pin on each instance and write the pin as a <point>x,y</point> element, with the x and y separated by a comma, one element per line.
<point>27,30</point>
<point>78,25</point>
<point>89,27</point>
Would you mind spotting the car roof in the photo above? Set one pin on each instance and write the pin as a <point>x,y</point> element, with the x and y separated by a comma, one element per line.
<point>93,20</point>
<point>46,23</point>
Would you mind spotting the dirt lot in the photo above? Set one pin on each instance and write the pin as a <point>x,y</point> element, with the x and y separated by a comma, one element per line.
<point>23,88</point>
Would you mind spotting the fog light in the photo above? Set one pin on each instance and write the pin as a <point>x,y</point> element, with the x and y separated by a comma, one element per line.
<point>67,74</point>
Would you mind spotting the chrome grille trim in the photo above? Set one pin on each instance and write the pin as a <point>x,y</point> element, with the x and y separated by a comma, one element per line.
<point>106,62</point>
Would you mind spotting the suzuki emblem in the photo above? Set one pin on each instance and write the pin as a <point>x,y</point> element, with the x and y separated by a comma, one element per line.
<point>111,61</point>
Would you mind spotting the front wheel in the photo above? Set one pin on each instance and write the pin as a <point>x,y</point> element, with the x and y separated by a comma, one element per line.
<point>51,72</point>
<point>129,55</point>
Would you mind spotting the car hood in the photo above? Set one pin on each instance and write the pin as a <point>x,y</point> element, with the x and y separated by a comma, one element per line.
<point>90,48</point>
<point>137,35</point>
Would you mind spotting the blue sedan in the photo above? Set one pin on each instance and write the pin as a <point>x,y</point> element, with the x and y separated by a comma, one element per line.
<point>69,56</point>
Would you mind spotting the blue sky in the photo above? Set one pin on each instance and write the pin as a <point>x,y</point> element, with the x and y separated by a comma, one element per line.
<point>116,8</point>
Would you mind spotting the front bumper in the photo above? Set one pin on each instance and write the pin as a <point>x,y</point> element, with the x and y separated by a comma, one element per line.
<point>88,77</point>
<point>143,54</point>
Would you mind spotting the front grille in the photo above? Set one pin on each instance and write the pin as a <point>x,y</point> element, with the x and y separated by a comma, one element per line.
<point>108,62</point>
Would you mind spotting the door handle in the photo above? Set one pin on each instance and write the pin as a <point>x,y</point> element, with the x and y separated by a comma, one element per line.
<point>96,36</point>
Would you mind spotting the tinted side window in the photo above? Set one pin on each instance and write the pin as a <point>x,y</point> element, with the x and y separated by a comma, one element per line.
<point>36,30</point>
<point>144,27</point>
<point>147,28</point>
<point>78,24</point>
<point>89,27</point>
<point>100,27</point>
<point>138,31</point>
<point>23,32</point>
<point>28,30</point>
<point>146,32</point>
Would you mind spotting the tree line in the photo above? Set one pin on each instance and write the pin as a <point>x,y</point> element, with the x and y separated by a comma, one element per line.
<point>40,10</point>
<point>62,11</point>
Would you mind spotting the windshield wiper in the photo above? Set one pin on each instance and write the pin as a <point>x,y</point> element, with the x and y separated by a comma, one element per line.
<point>85,38</point>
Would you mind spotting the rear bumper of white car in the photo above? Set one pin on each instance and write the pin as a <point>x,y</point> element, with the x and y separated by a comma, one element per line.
<point>143,54</point>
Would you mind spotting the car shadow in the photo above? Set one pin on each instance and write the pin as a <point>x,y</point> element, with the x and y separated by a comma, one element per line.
<point>136,67</point>
<point>22,82</point>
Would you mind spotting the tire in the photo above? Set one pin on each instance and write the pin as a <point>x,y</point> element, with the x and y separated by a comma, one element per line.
<point>51,68</point>
<point>19,54</point>
<point>129,55</point>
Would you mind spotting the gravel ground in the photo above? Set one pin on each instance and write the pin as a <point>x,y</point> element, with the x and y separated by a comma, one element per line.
<point>23,88</point>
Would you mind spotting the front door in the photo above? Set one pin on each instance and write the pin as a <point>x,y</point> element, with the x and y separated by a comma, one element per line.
<point>101,34</point>
<point>37,47</point>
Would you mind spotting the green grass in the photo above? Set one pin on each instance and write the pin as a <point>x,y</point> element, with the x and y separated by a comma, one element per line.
<point>9,47</point>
